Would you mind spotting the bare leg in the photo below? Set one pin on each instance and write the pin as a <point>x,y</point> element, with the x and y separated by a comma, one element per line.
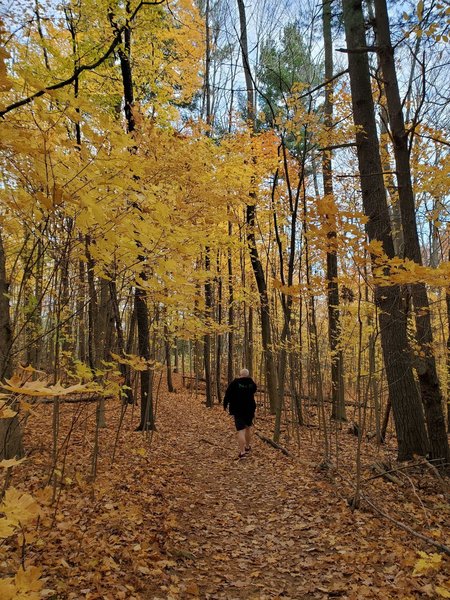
<point>248,437</point>
<point>241,440</point>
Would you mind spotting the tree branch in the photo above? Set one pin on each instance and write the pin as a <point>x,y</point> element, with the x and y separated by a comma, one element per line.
<point>359,50</point>
<point>336,146</point>
<point>80,69</point>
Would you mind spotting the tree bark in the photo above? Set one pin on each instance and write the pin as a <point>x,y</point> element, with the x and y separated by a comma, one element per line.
<point>140,301</point>
<point>334,332</point>
<point>10,430</point>
<point>406,405</point>
<point>208,285</point>
<point>257,267</point>
<point>427,372</point>
<point>230,349</point>
<point>124,369</point>
<point>170,387</point>
<point>219,337</point>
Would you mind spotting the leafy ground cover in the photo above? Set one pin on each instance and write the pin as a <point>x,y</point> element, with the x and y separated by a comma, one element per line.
<point>174,516</point>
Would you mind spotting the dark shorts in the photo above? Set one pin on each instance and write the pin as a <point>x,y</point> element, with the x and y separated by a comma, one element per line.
<point>242,422</point>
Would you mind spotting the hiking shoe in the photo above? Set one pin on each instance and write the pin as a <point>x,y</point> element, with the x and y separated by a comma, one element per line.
<point>248,448</point>
<point>241,456</point>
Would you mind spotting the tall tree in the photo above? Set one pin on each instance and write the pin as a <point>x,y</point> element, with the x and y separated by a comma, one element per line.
<point>406,405</point>
<point>427,373</point>
<point>140,303</point>
<point>266,326</point>
<point>208,284</point>
<point>337,368</point>
<point>10,430</point>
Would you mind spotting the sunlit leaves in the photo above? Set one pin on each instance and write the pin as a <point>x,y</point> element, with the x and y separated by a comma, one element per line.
<point>11,462</point>
<point>427,563</point>
<point>26,585</point>
<point>40,389</point>
<point>18,507</point>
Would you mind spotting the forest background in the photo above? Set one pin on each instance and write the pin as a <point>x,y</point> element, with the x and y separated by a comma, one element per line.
<point>193,187</point>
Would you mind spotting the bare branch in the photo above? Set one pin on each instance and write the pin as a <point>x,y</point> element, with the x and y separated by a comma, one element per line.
<point>80,69</point>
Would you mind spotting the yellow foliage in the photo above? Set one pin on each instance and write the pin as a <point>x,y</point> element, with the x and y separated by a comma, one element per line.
<point>6,529</point>
<point>18,507</point>
<point>39,388</point>
<point>11,462</point>
<point>6,412</point>
<point>427,563</point>
<point>26,585</point>
<point>135,362</point>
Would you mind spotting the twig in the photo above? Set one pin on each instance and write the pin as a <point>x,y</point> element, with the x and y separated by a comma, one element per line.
<point>273,444</point>
<point>382,472</point>
<point>422,537</point>
<point>208,442</point>
<point>435,471</point>
<point>78,399</point>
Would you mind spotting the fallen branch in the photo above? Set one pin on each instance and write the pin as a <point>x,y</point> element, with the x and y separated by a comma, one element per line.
<point>205,441</point>
<point>435,471</point>
<point>272,443</point>
<point>385,473</point>
<point>425,463</point>
<point>401,525</point>
<point>67,399</point>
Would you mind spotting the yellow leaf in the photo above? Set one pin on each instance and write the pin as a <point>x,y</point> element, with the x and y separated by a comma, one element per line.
<point>7,588</point>
<point>135,362</point>
<point>38,388</point>
<point>442,592</point>
<point>44,496</point>
<point>25,406</point>
<point>28,583</point>
<point>427,563</point>
<point>6,412</point>
<point>420,10</point>
<point>6,529</point>
<point>19,507</point>
<point>11,462</point>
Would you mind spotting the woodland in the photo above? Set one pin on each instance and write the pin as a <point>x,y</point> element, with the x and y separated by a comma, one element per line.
<point>193,187</point>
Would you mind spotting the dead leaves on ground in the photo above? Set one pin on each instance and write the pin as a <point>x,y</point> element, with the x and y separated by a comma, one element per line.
<point>178,518</point>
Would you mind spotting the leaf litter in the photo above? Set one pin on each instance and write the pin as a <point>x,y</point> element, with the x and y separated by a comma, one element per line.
<point>176,517</point>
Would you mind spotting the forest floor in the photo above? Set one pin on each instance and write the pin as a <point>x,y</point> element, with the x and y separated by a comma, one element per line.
<point>175,516</point>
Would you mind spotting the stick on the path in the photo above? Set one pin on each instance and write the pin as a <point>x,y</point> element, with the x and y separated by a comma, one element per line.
<point>422,537</point>
<point>272,443</point>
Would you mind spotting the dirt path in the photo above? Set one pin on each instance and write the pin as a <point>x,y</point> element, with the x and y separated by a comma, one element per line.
<point>179,518</point>
<point>265,527</point>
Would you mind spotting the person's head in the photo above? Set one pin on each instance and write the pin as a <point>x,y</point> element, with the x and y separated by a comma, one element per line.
<point>244,373</point>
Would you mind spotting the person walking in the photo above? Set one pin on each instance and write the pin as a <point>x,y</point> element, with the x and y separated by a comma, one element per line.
<point>240,398</point>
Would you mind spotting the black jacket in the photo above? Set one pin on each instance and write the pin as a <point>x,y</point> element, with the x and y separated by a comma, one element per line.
<point>240,396</point>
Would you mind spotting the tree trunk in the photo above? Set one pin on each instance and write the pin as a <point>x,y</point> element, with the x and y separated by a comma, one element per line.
<point>124,369</point>
<point>427,373</point>
<point>207,336</point>
<point>258,270</point>
<point>219,335</point>
<point>140,306</point>
<point>140,302</point>
<point>406,405</point>
<point>230,369</point>
<point>208,286</point>
<point>92,307</point>
<point>394,207</point>
<point>337,371</point>
<point>10,430</point>
<point>447,299</point>
<point>168,359</point>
